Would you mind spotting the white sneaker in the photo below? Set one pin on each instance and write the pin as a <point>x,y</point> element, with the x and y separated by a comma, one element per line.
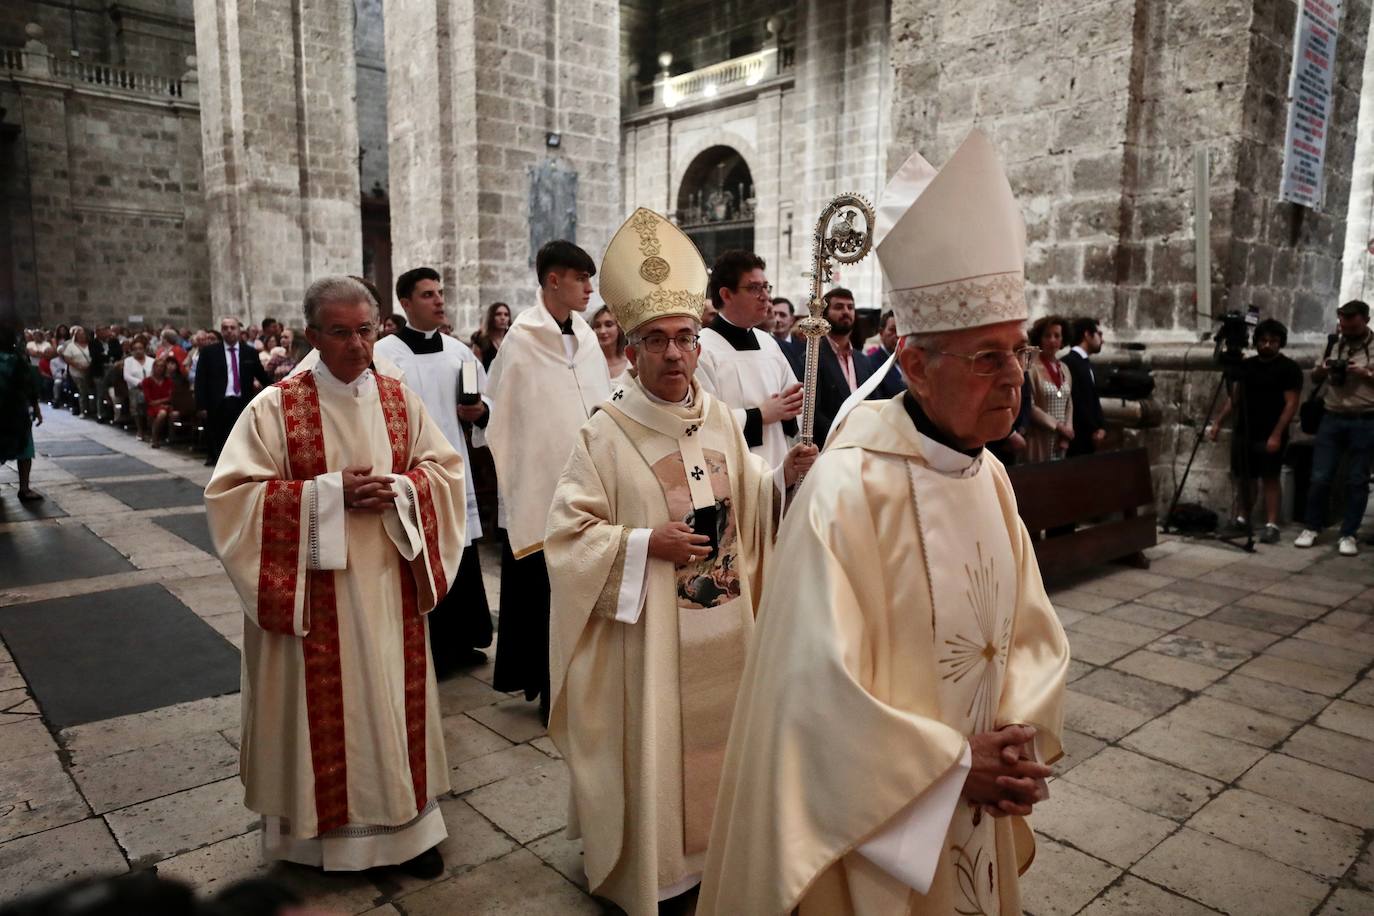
<point>1306,539</point>
<point>1348,548</point>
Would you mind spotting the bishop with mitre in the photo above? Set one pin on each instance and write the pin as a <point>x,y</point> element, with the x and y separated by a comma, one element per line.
<point>337,508</point>
<point>657,541</point>
<point>904,690</point>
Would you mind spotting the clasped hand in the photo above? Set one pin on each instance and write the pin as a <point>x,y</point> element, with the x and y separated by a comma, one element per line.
<point>366,491</point>
<point>675,542</point>
<point>999,778</point>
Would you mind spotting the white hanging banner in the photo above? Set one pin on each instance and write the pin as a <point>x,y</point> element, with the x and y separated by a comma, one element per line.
<point>1310,101</point>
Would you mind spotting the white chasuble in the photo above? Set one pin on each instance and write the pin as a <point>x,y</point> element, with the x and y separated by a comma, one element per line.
<point>646,656</point>
<point>543,386</point>
<point>340,735</point>
<point>903,613</point>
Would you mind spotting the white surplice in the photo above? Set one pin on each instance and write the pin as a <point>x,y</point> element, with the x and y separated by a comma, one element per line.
<point>745,379</point>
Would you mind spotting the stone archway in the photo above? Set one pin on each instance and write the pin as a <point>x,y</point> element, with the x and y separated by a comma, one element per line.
<point>716,202</point>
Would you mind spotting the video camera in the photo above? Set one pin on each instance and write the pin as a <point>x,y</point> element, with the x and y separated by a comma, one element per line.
<point>1232,335</point>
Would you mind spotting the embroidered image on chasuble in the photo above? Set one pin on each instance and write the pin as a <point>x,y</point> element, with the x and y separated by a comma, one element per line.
<point>340,713</point>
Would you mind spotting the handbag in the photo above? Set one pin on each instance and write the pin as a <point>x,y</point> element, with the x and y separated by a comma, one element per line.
<point>1314,408</point>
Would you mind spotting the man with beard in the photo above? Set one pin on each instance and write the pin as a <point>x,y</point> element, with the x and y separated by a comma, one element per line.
<point>842,367</point>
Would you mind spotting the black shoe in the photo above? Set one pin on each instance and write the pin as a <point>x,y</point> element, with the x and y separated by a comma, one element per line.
<point>1270,535</point>
<point>427,866</point>
<point>544,708</point>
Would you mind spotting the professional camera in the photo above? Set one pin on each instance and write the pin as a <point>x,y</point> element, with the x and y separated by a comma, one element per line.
<point>1335,371</point>
<point>1233,334</point>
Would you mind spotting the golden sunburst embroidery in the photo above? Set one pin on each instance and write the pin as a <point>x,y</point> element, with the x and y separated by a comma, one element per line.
<point>978,655</point>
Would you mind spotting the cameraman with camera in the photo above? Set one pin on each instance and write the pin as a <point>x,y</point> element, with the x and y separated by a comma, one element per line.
<point>1347,426</point>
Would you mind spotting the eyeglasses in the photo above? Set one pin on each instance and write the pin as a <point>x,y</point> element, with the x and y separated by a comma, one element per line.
<point>344,335</point>
<point>658,343</point>
<point>758,289</point>
<point>990,362</point>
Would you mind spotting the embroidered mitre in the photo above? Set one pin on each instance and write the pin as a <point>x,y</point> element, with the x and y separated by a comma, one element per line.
<point>952,243</point>
<point>652,270</point>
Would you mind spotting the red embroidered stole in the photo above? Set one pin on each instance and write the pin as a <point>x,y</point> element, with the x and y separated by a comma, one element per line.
<point>320,645</point>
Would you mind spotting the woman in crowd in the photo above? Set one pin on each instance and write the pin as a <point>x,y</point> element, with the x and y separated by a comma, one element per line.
<point>77,354</point>
<point>390,325</point>
<point>612,340</point>
<point>19,408</point>
<point>494,327</point>
<point>138,365</point>
<point>171,347</point>
<point>1051,428</point>
<point>157,394</point>
<point>282,358</point>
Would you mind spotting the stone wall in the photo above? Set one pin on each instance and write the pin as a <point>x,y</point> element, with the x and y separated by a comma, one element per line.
<point>369,49</point>
<point>103,205</point>
<point>1360,210</point>
<point>699,33</point>
<point>150,36</point>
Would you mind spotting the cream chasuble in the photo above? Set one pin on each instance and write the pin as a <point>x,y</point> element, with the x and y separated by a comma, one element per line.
<point>543,386</point>
<point>341,736</point>
<point>904,612</point>
<point>645,656</point>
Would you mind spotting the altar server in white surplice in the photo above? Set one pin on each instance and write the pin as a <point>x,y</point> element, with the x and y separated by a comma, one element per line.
<point>743,365</point>
<point>657,545</point>
<point>450,380</point>
<point>905,683</point>
<point>337,510</point>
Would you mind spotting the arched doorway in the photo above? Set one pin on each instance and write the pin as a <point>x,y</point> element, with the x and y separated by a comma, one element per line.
<point>715,203</point>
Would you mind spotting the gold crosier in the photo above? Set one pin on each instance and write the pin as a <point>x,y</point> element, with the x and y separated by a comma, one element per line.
<point>837,241</point>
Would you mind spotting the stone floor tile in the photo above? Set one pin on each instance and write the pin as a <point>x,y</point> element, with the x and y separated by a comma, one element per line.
<point>1322,656</point>
<point>1068,616</point>
<point>1336,750</point>
<point>138,775</point>
<point>472,841</point>
<point>1133,897</point>
<point>1307,593</point>
<point>1339,637</point>
<point>1143,614</point>
<point>1229,878</point>
<point>480,771</point>
<point>212,868</point>
<point>518,884</point>
<point>1275,604</point>
<point>1082,601</point>
<point>1095,650</point>
<point>1361,692</point>
<point>1182,566</point>
<point>514,719</point>
<point>1318,789</point>
<point>181,822</point>
<point>1230,720</point>
<point>79,850</point>
<point>1132,634</point>
<point>1363,872</point>
<point>1194,597</point>
<point>1245,579</point>
<point>1334,576</point>
<point>1228,634</point>
<point>1116,589</point>
<point>1079,668</point>
<point>1149,785</point>
<point>1297,674</point>
<point>1108,828</point>
<point>1202,651</point>
<point>1282,832</point>
<point>112,736</point>
<point>1348,901</point>
<point>462,693</point>
<point>1348,620</point>
<point>1289,702</point>
<point>1099,718</point>
<point>1078,747</point>
<point>1062,880</point>
<point>1138,693</point>
<point>528,805</point>
<point>546,747</point>
<point>465,739</point>
<point>563,856</point>
<point>24,737</point>
<point>37,794</point>
<point>1341,716</point>
<point>1193,749</point>
<point>1265,621</point>
<point>1168,670</point>
<point>10,678</point>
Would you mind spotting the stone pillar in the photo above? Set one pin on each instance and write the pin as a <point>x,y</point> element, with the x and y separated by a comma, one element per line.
<point>1360,214</point>
<point>280,141</point>
<point>476,92</point>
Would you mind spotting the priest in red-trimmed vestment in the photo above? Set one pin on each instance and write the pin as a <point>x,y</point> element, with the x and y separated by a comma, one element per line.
<point>337,507</point>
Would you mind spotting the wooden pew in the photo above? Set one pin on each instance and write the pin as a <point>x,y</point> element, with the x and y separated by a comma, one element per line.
<point>1108,496</point>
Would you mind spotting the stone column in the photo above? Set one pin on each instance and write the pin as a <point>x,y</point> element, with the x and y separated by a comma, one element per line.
<point>475,91</point>
<point>280,138</point>
<point>1360,213</point>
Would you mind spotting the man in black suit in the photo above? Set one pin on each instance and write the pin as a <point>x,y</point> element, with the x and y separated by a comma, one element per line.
<point>892,384</point>
<point>842,367</point>
<point>1088,424</point>
<point>107,366</point>
<point>225,377</point>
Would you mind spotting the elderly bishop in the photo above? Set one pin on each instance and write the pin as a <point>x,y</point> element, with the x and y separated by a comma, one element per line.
<point>904,689</point>
<point>337,509</point>
<point>657,542</point>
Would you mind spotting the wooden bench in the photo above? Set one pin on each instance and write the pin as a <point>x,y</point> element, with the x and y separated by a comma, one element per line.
<point>1108,496</point>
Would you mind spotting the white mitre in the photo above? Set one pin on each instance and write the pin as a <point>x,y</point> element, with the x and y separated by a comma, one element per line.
<point>952,243</point>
